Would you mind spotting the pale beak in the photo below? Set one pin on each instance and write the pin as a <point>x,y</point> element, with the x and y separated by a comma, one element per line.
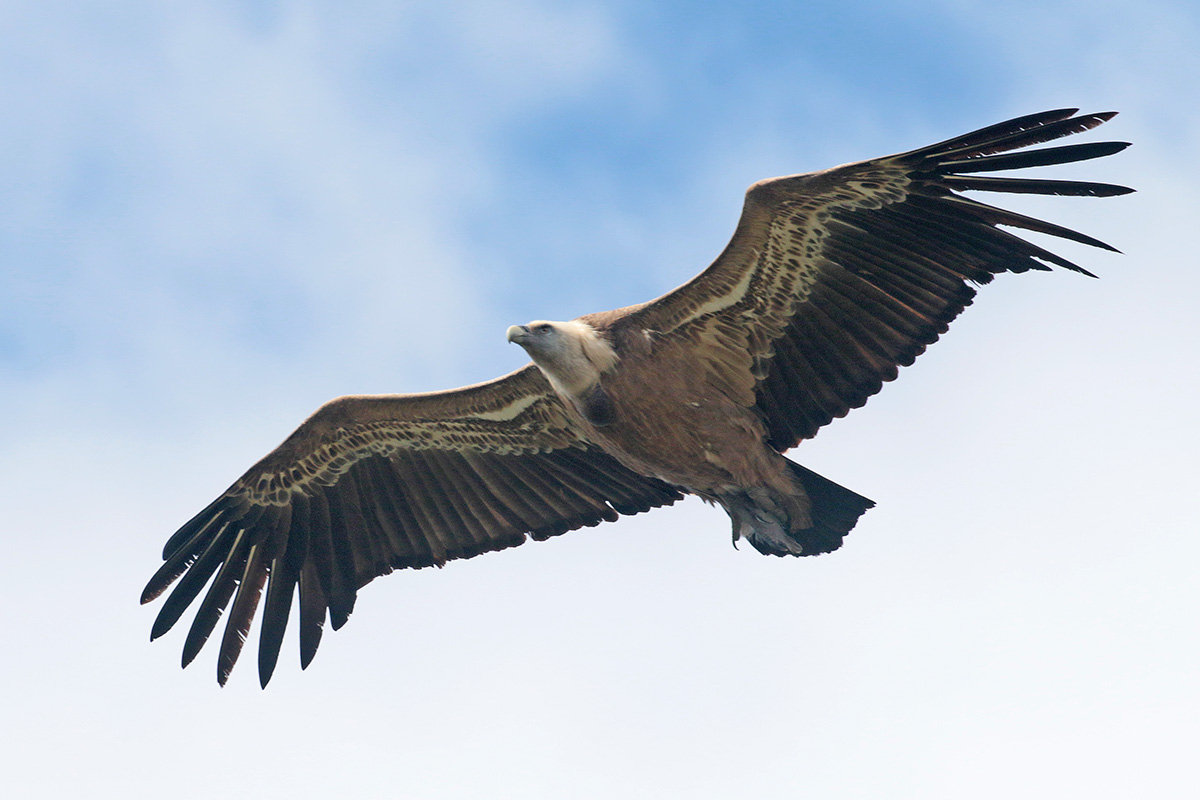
<point>518,333</point>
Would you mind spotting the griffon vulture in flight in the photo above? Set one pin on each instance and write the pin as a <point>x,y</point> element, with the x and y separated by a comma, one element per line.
<point>832,281</point>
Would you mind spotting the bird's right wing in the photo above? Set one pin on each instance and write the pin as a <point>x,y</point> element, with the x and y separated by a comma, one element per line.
<point>375,483</point>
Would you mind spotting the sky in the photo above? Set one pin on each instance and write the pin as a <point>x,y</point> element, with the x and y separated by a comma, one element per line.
<point>216,216</point>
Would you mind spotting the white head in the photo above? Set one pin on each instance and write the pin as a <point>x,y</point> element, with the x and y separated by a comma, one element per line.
<point>572,355</point>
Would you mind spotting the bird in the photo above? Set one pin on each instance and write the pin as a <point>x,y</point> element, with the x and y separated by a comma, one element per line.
<point>832,281</point>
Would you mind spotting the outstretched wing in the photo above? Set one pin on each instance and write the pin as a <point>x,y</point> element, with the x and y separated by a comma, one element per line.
<point>372,484</point>
<point>835,279</point>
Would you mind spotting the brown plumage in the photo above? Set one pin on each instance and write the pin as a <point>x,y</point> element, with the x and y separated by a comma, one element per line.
<point>831,282</point>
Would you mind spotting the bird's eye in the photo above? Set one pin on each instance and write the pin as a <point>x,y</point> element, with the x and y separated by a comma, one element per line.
<point>542,329</point>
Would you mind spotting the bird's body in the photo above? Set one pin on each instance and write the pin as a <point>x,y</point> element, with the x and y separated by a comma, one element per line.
<point>831,282</point>
<point>633,409</point>
<point>649,401</point>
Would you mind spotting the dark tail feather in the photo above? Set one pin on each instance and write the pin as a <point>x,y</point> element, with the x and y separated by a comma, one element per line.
<point>835,511</point>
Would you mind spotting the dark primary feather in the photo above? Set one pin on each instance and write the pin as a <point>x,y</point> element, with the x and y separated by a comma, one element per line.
<point>984,137</point>
<point>960,183</point>
<point>1042,157</point>
<point>1020,132</point>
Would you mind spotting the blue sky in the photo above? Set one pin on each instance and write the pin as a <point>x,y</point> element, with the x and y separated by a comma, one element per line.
<point>217,216</point>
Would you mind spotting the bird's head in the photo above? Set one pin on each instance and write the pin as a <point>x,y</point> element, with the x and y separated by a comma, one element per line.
<point>571,354</point>
<point>541,339</point>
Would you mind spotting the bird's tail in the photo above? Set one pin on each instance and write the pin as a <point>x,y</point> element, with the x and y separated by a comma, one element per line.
<point>835,511</point>
<point>764,520</point>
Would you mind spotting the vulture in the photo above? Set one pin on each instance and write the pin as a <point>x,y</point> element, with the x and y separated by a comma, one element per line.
<point>831,282</point>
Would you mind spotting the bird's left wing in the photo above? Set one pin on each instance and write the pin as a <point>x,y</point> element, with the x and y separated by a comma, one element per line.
<point>374,483</point>
<point>835,279</point>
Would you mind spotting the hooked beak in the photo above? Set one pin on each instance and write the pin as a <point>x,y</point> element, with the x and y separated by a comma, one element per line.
<point>518,333</point>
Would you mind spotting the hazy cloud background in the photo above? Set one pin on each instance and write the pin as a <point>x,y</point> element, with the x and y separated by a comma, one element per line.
<point>216,216</point>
